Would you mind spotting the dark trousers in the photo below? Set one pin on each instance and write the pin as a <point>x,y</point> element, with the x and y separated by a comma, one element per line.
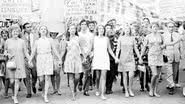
<point>111,75</point>
<point>87,79</point>
<point>31,79</point>
<point>175,67</point>
<point>148,77</point>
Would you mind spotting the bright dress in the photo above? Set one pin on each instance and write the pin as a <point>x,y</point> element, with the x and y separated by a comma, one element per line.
<point>101,57</point>
<point>16,47</point>
<point>155,54</point>
<point>73,62</point>
<point>126,46</point>
<point>44,57</point>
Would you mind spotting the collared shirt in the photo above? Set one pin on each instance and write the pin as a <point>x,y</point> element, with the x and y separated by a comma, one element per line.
<point>173,52</point>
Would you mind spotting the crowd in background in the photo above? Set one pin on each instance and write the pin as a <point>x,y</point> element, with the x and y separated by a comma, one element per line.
<point>92,56</point>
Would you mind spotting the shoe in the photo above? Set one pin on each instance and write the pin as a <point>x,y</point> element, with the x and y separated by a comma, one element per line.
<point>151,94</point>
<point>111,91</point>
<point>107,92</point>
<point>86,93</point>
<point>97,93</point>
<point>126,94</point>
<point>177,85</point>
<point>142,90</point>
<point>131,93</point>
<point>91,88</point>
<point>28,96</point>
<point>157,95</point>
<point>103,97</point>
<point>6,95</point>
<point>34,90</point>
<point>15,100</point>
<point>46,100</point>
<point>59,93</point>
<point>147,88</point>
<point>171,91</point>
<point>80,88</point>
<point>184,91</point>
<point>123,90</point>
<point>40,89</point>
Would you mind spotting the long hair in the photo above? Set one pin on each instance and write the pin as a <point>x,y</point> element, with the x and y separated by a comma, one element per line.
<point>47,34</point>
<point>97,33</point>
<point>68,33</point>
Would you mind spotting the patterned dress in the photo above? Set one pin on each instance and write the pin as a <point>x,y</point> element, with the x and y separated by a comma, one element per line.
<point>127,60</point>
<point>17,48</point>
<point>73,62</point>
<point>155,54</point>
<point>44,57</point>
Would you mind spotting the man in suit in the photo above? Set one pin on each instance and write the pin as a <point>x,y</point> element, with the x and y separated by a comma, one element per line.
<point>30,39</point>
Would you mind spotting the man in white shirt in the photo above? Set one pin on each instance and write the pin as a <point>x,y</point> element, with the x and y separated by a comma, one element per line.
<point>173,55</point>
<point>86,41</point>
<point>30,39</point>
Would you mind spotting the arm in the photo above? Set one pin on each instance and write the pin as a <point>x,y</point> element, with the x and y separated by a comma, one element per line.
<point>63,46</point>
<point>175,42</point>
<point>110,50</point>
<point>143,49</point>
<point>54,50</point>
<point>34,51</point>
<point>136,50</point>
<point>118,48</point>
<point>26,50</point>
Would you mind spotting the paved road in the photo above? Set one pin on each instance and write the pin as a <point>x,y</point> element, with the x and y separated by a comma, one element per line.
<point>116,98</point>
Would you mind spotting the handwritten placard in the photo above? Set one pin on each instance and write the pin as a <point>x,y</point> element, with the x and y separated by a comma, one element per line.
<point>11,9</point>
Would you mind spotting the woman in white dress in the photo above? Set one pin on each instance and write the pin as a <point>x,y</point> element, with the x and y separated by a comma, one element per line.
<point>43,49</point>
<point>101,62</point>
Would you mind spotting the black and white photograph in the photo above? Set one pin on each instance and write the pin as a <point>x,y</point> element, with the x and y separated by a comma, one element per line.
<point>92,51</point>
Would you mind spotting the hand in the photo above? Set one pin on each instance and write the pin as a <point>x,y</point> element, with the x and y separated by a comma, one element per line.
<point>117,60</point>
<point>140,60</point>
<point>163,46</point>
<point>30,64</point>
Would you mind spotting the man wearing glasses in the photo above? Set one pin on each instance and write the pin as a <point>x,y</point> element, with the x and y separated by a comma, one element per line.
<point>173,55</point>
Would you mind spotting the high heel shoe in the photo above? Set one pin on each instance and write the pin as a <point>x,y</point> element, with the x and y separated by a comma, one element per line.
<point>15,100</point>
<point>46,100</point>
<point>131,94</point>
<point>103,97</point>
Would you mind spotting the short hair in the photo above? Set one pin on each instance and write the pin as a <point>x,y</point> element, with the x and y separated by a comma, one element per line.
<point>146,19</point>
<point>24,25</point>
<point>183,26</point>
<point>82,21</point>
<point>91,22</point>
<point>155,23</point>
<point>4,31</point>
<point>46,30</point>
<point>109,25</point>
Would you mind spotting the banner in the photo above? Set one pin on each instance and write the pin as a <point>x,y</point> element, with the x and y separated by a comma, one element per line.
<point>13,9</point>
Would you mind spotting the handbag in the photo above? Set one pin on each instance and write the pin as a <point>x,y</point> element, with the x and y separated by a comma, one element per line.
<point>11,65</point>
<point>165,58</point>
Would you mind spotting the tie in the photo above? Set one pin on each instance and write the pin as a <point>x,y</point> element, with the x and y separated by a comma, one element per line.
<point>171,37</point>
<point>29,44</point>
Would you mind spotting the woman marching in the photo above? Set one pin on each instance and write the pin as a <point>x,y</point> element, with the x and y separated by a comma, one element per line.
<point>73,59</point>
<point>126,45</point>
<point>101,62</point>
<point>44,48</point>
<point>155,57</point>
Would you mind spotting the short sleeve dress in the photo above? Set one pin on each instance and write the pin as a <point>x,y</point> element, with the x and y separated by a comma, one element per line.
<point>155,53</point>
<point>16,47</point>
<point>73,62</point>
<point>101,59</point>
<point>126,46</point>
<point>44,60</point>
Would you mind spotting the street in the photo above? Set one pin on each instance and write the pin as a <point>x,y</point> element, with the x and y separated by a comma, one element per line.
<point>116,98</point>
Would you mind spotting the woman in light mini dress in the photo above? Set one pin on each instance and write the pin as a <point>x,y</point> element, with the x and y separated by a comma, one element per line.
<point>101,62</point>
<point>43,49</point>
